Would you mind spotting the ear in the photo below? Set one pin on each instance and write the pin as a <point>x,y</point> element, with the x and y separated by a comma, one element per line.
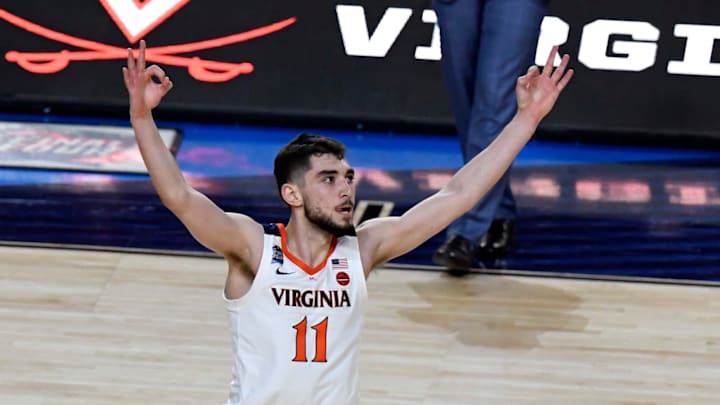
<point>291,194</point>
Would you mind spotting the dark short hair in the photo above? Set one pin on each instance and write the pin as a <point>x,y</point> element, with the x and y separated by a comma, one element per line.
<point>293,160</point>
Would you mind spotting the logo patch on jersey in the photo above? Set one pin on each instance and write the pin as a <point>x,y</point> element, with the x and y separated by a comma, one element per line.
<point>277,255</point>
<point>339,264</point>
<point>283,273</point>
<point>342,278</point>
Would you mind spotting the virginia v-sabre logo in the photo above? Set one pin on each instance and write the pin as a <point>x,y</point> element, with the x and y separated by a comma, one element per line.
<point>136,18</point>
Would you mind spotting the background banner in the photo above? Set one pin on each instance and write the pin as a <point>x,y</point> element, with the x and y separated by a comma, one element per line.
<point>97,148</point>
<point>643,66</point>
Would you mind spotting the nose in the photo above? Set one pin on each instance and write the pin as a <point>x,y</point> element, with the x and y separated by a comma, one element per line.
<point>346,187</point>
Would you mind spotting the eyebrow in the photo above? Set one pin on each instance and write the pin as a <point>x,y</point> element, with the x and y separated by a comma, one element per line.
<point>323,173</point>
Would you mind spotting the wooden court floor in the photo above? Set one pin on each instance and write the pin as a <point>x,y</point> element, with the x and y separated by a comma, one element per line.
<point>89,327</point>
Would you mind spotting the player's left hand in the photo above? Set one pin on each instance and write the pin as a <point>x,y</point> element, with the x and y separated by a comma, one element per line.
<point>538,91</point>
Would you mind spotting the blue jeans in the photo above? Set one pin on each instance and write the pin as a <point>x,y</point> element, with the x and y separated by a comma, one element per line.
<point>486,45</point>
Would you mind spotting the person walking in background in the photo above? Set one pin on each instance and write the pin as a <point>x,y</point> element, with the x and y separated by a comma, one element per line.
<point>486,45</point>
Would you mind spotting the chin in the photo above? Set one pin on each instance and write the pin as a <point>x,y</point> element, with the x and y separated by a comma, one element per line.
<point>344,229</point>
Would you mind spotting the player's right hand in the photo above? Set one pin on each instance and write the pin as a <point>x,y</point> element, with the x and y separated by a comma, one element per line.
<point>145,94</point>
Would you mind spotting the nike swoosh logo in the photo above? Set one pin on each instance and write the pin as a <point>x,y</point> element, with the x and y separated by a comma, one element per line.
<point>277,271</point>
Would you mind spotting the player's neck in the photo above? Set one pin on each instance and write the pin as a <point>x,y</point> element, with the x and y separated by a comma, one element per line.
<point>307,242</point>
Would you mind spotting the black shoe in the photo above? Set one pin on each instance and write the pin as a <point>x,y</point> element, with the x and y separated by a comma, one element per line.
<point>498,240</point>
<point>457,253</point>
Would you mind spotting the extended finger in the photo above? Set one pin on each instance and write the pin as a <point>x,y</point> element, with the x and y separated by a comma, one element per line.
<point>565,80</point>
<point>558,73</point>
<point>131,61</point>
<point>550,61</point>
<point>126,76</point>
<point>141,57</point>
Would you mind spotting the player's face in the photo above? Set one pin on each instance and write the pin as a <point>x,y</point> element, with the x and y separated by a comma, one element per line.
<point>329,194</point>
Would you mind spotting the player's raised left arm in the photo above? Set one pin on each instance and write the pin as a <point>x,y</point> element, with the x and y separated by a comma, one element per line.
<point>383,239</point>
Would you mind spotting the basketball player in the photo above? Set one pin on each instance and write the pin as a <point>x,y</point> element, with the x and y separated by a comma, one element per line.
<point>296,292</point>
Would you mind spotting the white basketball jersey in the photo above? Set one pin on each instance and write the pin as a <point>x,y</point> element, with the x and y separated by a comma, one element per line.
<point>296,332</point>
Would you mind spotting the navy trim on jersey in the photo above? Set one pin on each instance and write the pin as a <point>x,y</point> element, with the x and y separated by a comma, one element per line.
<point>271,229</point>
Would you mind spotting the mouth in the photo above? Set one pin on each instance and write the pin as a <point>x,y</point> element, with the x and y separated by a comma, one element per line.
<point>345,210</point>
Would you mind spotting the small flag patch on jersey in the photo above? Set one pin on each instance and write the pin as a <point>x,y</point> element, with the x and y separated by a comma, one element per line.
<point>277,254</point>
<point>338,264</point>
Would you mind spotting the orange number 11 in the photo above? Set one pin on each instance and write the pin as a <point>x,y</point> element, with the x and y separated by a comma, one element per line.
<point>320,341</point>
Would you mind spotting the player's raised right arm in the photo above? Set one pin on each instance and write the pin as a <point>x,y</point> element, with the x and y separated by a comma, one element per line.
<point>231,235</point>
